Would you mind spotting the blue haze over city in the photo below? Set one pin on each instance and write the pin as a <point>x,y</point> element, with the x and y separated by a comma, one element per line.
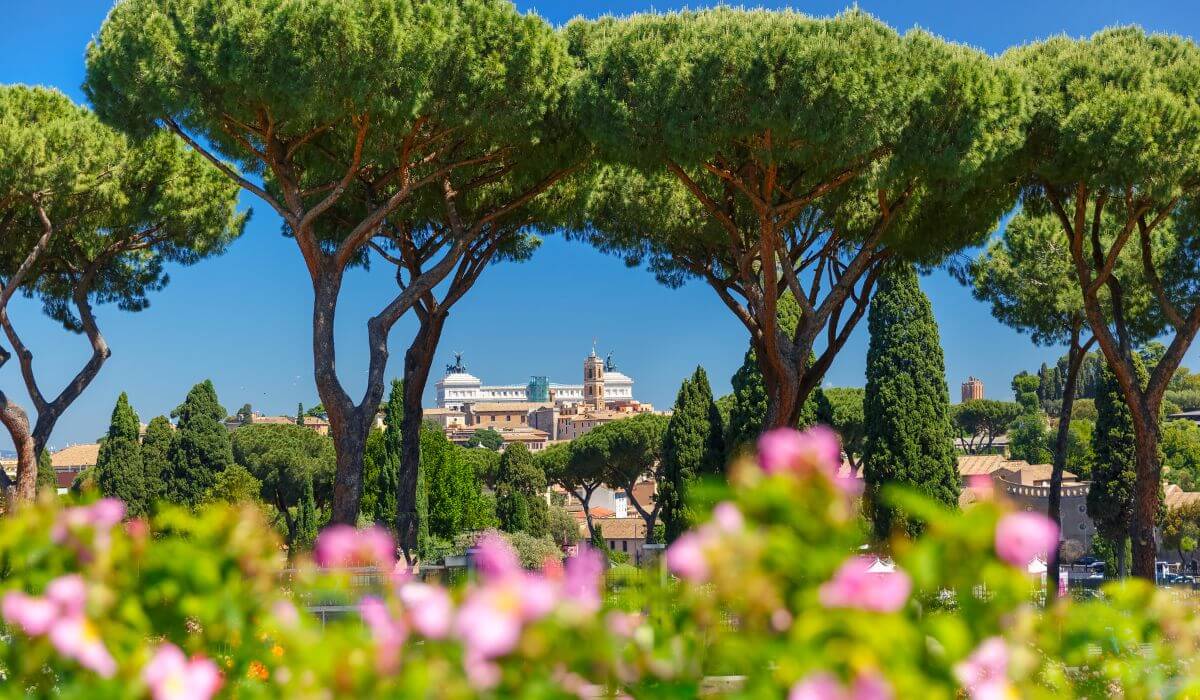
<point>244,319</point>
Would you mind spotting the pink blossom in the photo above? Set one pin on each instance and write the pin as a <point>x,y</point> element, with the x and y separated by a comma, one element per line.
<point>388,632</point>
<point>984,674</point>
<point>581,578</point>
<point>784,449</point>
<point>727,518</point>
<point>1022,536</point>
<point>685,558</point>
<point>853,586</point>
<point>824,686</point>
<point>69,593</point>
<point>817,686</point>
<point>341,546</point>
<point>77,638</point>
<point>429,609</point>
<point>490,620</point>
<point>870,686</point>
<point>33,615</point>
<point>482,673</point>
<point>101,516</point>
<point>171,676</point>
<point>623,624</point>
<point>495,557</point>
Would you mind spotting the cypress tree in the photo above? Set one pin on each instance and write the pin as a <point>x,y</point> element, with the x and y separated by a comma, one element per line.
<point>693,446</point>
<point>156,458</point>
<point>46,479</point>
<point>119,471</point>
<point>384,484</point>
<point>300,414</point>
<point>909,436</point>
<point>306,527</point>
<point>1110,498</point>
<point>202,449</point>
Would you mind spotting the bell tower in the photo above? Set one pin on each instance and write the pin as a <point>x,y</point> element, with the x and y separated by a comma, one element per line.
<point>593,381</point>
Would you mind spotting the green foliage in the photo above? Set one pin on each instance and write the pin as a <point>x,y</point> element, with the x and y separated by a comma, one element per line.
<point>47,481</point>
<point>979,422</point>
<point>1081,453</point>
<point>286,459</point>
<point>119,471</point>
<point>157,444</point>
<point>382,462</point>
<point>450,485</point>
<point>693,447</point>
<point>562,527</point>
<point>1181,529</point>
<point>909,438</point>
<point>518,483</point>
<point>625,451</point>
<point>1110,499</point>
<point>1181,454</point>
<point>120,208</point>
<point>486,438</point>
<point>1025,389</point>
<point>841,408</point>
<point>306,525</point>
<point>1029,439</point>
<point>202,449</point>
<point>235,484</point>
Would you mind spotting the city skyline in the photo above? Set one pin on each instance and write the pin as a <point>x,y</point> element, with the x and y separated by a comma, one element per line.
<point>243,319</point>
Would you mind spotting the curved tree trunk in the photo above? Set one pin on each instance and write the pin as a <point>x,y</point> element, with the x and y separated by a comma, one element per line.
<point>1054,504</point>
<point>16,421</point>
<point>417,362</point>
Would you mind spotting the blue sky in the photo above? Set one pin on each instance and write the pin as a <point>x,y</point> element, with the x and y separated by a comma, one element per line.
<point>243,319</point>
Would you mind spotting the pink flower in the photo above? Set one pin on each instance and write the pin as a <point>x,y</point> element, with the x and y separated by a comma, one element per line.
<point>853,586</point>
<point>870,686</point>
<point>481,672</point>
<point>623,624</point>
<point>495,557</point>
<point>685,558</point>
<point>388,632</point>
<point>33,615</point>
<point>817,686</point>
<point>69,593</point>
<point>340,546</point>
<point>823,686</point>
<point>581,578</point>
<point>785,449</point>
<point>984,674</point>
<point>429,609</point>
<point>1022,536</point>
<point>727,518</point>
<point>77,638</point>
<point>100,516</point>
<point>171,676</point>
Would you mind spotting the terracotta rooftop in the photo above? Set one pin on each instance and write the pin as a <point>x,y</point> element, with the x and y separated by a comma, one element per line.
<point>622,528</point>
<point>505,406</point>
<point>1176,497</point>
<point>84,455</point>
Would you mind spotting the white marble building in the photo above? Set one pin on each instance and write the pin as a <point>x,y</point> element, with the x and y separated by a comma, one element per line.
<point>459,388</point>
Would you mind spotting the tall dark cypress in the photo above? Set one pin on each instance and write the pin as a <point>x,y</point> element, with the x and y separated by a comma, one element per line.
<point>909,436</point>
<point>1110,498</point>
<point>202,449</point>
<point>693,447</point>
<point>119,471</point>
<point>156,457</point>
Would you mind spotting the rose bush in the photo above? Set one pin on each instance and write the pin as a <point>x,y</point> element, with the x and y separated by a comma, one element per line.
<point>775,595</point>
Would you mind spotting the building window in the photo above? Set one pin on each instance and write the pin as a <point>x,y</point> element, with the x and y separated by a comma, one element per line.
<point>612,544</point>
<point>1082,509</point>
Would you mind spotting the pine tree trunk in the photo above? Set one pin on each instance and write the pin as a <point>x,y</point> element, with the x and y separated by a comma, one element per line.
<point>1054,504</point>
<point>417,362</point>
<point>16,421</point>
<point>347,426</point>
<point>1146,492</point>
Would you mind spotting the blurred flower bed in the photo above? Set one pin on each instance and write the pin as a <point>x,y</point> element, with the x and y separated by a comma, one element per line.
<point>773,596</point>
